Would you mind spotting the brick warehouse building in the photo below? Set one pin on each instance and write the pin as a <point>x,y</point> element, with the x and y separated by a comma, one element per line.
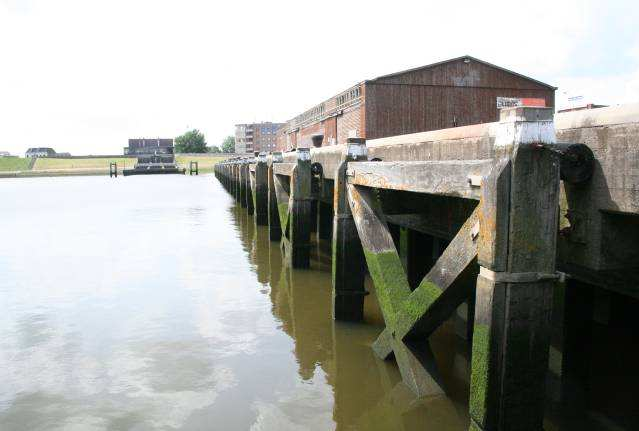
<point>451,93</point>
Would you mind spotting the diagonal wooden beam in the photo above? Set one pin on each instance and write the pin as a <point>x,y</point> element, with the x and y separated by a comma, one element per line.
<point>382,259</point>
<point>283,198</point>
<point>437,296</point>
<point>414,360</point>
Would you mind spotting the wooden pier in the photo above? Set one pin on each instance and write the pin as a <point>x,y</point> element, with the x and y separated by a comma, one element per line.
<point>511,218</point>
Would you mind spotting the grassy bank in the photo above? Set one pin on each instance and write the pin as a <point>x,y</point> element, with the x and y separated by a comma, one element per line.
<point>20,167</point>
<point>45,164</point>
<point>13,164</point>
<point>205,163</point>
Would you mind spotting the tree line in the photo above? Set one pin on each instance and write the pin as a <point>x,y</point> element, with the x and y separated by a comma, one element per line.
<point>194,141</point>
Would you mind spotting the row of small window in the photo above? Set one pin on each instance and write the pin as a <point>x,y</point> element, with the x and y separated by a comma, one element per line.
<point>313,113</point>
<point>348,96</point>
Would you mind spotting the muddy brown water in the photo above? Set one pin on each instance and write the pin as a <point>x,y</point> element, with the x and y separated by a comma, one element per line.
<point>155,303</point>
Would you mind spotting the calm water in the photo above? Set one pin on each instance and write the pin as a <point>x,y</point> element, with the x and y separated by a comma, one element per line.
<point>154,303</point>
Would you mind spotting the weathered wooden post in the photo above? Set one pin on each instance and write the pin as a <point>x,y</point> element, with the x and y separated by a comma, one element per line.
<point>260,193</point>
<point>193,167</point>
<point>236,180</point>
<point>274,225</point>
<point>348,261</point>
<point>224,170</point>
<point>300,210</point>
<point>244,172</point>
<point>248,195</point>
<point>516,253</point>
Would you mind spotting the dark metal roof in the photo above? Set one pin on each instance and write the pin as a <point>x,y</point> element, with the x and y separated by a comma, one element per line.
<point>464,57</point>
<point>40,149</point>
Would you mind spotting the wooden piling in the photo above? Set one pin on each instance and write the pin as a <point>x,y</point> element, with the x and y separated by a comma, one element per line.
<point>348,262</point>
<point>260,193</point>
<point>193,167</point>
<point>300,210</point>
<point>243,174</point>
<point>236,180</point>
<point>518,231</point>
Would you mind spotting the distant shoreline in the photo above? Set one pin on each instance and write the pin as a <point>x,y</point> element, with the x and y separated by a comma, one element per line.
<point>16,167</point>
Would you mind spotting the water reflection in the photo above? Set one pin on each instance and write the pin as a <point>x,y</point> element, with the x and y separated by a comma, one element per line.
<point>130,311</point>
<point>368,394</point>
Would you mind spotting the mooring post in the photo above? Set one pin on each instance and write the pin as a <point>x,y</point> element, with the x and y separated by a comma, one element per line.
<point>300,210</point>
<point>274,225</point>
<point>516,254</point>
<point>348,261</point>
<point>261,190</point>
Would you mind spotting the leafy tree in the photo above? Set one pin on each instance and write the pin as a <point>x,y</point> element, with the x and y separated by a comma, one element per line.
<point>214,149</point>
<point>191,142</point>
<point>228,145</point>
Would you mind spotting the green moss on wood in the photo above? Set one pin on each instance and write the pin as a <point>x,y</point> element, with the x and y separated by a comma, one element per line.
<point>282,209</point>
<point>417,305</point>
<point>480,373</point>
<point>390,282</point>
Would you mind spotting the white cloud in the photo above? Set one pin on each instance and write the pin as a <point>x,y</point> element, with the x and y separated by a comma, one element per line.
<point>83,76</point>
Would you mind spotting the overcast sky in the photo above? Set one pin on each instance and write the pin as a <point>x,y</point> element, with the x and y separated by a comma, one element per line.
<point>83,76</point>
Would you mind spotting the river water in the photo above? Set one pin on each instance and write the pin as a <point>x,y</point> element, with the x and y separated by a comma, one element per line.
<point>154,303</point>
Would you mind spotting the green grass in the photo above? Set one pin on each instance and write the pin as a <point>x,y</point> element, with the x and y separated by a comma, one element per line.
<point>43,164</point>
<point>14,164</point>
<point>205,164</point>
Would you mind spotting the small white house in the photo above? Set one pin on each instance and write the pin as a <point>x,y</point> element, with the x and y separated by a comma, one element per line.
<point>40,152</point>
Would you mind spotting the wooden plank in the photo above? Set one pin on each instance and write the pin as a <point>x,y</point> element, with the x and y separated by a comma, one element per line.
<point>283,168</point>
<point>447,178</point>
<point>424,223</point>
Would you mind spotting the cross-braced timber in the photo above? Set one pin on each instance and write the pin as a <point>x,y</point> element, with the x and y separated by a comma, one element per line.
<point>491,192</point>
